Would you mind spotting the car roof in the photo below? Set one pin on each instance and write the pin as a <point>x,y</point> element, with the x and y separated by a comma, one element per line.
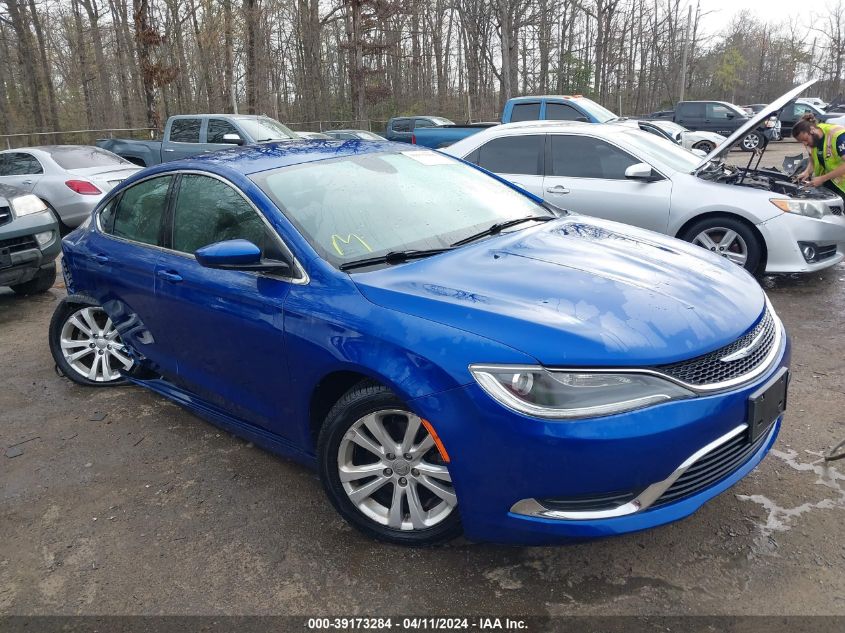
<point>251,159</point>
<point>538,97</point>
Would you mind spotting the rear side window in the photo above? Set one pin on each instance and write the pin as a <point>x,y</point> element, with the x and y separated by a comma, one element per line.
<point>217,128</point>
<point>562,112</point>
<point>691,110</point>
<point>423,123</point>
<point>139,212</point>
<point>208,210</point>
<point>185,130</point>
<point>587,157</point>
<point>19,164</point>
<point>402,125</point>
<point>512,155</point>
<point>525,112</point>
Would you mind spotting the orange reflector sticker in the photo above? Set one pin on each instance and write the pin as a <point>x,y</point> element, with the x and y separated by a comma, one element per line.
<point>440,448</point>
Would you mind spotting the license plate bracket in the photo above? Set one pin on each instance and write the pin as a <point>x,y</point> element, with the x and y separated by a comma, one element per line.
<point>767,404</point>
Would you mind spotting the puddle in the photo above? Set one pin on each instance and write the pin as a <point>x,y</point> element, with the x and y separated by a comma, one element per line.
<point>780,519</point>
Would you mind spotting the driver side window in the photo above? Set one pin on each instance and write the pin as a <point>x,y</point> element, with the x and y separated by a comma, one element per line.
<point>208,210</point>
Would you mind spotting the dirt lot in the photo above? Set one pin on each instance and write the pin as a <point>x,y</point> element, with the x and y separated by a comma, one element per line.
<point>122,503</point>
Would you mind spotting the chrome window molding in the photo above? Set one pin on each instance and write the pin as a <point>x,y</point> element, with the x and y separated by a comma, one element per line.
<point>533,508</point>
<point>302,278</point>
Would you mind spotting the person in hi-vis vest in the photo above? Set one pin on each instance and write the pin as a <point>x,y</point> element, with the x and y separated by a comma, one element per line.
<point>826,144</point>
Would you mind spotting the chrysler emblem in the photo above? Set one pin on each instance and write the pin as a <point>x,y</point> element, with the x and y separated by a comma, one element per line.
<point>745,351</point>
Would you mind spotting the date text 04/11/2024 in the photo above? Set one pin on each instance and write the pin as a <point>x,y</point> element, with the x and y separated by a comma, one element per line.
<point>417,623</point>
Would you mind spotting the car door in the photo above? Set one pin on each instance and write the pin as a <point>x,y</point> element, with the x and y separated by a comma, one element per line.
<point>516,158</point>
<point>20,169</point>
<point>227,325</point>
<point>216,129</point>
<point>556,111</point>
<point>721,119</point>
<point>402,130</point>
<point>690,114</point>
<point>117,267</point>
<point>183,139</point>
<point>525,111</point>
<point>587,175</point>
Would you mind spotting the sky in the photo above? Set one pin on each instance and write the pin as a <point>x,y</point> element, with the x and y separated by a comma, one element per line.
<point>720,12</point>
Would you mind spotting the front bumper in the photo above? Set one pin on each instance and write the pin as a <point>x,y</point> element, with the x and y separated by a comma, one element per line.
<point>784,232</point>
<point>22,256</point>
<point>501,458</point>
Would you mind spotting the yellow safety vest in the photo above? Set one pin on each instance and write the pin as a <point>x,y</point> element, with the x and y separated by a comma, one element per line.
<point>831,159</point>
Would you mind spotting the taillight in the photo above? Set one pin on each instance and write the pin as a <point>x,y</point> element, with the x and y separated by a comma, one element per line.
<point>413,139</point>
<point>83,187</point>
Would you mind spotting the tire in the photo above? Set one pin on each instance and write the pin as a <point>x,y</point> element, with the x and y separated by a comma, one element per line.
<point>729,237</point>
<point>42,282</point>
<point>365,501</point>
<point>751,141</point>
<point>69,342</point>
<point>704,146</point>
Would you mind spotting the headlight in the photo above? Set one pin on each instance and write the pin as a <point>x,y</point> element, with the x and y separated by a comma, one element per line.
<point>570,395</point>
<point>810,208</point>
<point>27,205</point>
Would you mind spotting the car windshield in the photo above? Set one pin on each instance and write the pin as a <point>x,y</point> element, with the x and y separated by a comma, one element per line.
<point>654,149</point>
<point>600,113</point>
<point>82,157</point>
<point>266,129</point>
<point>372,204</point>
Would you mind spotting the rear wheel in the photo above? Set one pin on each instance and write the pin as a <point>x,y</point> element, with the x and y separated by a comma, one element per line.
<point>728,237</point>
<point>42,282</point>
<point>382,471</point>
<point>86,346</point>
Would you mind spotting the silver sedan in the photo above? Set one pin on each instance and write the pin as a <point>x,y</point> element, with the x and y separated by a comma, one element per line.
<point>70,179</point>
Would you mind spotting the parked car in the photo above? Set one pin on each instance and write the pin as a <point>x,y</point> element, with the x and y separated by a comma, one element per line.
<point>703,141</point>
<point>724,118</point>
<point>29,242</point>
<point>70,179</point>
<point>792,112</point>
<point>540,108</point>
<point>190,134</point>
<point>401,128</point>
<point>313,136</point>
<point>816,102</point>
<point>354,135</point>
<point>756,218</point>
<point>405,323</point>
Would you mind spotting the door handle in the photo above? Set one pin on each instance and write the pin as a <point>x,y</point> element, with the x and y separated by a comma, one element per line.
<point>169,276</point>
<point>557,189</point>
<point>26,182</point>
<point>101,259</point>
<point>169,150</point>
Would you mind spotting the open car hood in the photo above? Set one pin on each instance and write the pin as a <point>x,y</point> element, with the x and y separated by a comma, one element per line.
<point>753,123</point>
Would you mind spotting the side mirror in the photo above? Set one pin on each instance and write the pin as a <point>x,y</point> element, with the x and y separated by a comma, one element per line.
<point>582,119</point>
<point>730,115</point>
<point>233,139</point>
<point>237,255</point>
<point>640,171</point>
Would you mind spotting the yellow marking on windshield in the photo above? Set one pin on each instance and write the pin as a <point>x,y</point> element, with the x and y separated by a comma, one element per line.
<point>337,238</point>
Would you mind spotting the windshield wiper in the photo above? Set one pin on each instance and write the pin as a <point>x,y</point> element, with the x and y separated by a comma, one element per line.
<point>393,257</point>
<point>501,226</point>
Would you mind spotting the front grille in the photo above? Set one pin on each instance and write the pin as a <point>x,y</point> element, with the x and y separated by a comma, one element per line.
<point>18,244</point>
<point>709,368</point>
<point>836,210</point>
<point>5,215</point>
<point>593,503</point>
<point>712,468</point>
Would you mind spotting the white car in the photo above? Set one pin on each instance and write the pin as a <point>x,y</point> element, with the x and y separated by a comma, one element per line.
<point>814,101</point>
<point>702,141</point>
<point>757,218</point>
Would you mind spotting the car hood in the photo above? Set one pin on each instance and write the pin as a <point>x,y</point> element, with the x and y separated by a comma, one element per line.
<point>753,123</point>
<point>579,291</point>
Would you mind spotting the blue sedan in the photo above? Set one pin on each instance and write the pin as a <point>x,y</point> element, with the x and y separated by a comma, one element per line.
<point>451,354</point>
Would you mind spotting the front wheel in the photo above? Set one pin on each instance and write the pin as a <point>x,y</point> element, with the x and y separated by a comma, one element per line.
<point>86,346</point>
<point>728,237</point>
<point>382,471</point>
<point>751,141</point>
<point>705,146</point>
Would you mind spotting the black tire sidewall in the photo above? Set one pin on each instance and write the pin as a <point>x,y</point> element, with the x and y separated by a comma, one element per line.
<point>704,146</point>
<point>355,404</point>
<point>755,250</point>
<point>63,311</point>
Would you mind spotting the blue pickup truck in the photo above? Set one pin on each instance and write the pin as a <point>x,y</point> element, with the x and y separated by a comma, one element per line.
<point>190,134</point>
<point>436,132</point>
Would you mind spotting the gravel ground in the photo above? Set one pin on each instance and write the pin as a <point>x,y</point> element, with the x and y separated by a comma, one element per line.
<point>122,503</point>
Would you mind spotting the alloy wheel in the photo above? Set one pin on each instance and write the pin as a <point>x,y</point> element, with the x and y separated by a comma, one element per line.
<point>392,472</point>
<point>725,242</point>
<point>751,141</point>
<point>92,347</point>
